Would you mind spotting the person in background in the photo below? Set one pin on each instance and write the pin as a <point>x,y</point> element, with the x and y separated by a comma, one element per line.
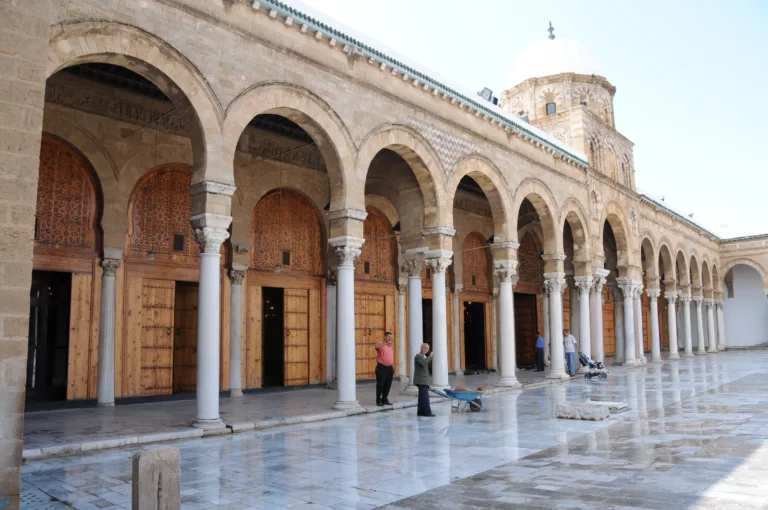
<point>569,342</point>
<point>539,352</point>
<point>421,380</point>
<point>385,370</point>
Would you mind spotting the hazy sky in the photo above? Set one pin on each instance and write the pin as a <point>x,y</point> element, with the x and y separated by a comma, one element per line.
<point>691,80</point>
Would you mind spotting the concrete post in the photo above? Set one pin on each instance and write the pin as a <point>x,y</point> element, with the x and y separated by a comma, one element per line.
<point>156,479</point>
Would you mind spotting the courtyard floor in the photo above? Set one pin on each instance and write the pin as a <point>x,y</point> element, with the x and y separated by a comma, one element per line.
<point>696,437</point>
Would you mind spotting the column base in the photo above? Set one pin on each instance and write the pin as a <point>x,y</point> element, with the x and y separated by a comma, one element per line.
<point>341,405</point>
<point>458,372</point>
<point>411,390</point>
<point>582,370</point>
<point>657,361</point>
<point>688,354</point>
<point>235,392</point>
<point>332,385</point>
<point>644,360</point>
<point>631,363</point>
<point>721,347</point>
<point>208,424</point>
<point>509,382</point>
<point>562,376</point>
<point>712,351</point>
<point>105,404</point>
<point>699,353</point>
<point>618,362</point>
<point>674,356</point>
<point>441,388</point>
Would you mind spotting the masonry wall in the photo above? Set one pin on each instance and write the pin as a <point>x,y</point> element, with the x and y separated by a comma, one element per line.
<point>746,313</point>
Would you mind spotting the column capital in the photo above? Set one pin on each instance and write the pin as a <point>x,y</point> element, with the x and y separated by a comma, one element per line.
<point>330,280</point>
<point>347,249</point>
<point>584,283</point>
<point>554,282</point>
<point>401,288</point>
<point>110,266</point>
<point>686,298</point>
<point>653,294</point>
<point>708,303</point>
<point>458,287</point>
<point>412,268</point>
<point>505,271</point>
<point>236,276</point>
<point>671,297</point>
<point>697,299</point>
<point>439,260</point>
<point>210,231</point>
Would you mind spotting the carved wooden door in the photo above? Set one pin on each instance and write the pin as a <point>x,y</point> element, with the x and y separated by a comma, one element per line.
<point>296,339</point>
<point>185,338</point>
<point>609,331</point>
<point>645,306</point>
<point>525,329</point>
<point>157,300</point>
<point>370,325</point>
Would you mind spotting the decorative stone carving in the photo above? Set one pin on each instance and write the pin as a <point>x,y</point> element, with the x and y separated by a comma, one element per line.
<point>439,264</point>
<point>236,276</point>
<point>412,268</point>
<point>347,255</point>
<point>554,284</point>
<point>210,231</point>
<point>506,274</point>
<point>590,412</point>
<point>110,266</point>
<point>401,288</point>
<point>449,148</point>
<point>653,294</point>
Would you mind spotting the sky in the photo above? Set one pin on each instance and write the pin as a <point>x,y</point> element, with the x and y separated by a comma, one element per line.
<point>691,80</point>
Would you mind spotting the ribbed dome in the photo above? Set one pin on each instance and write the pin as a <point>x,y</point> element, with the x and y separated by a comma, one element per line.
<point>552,56</point>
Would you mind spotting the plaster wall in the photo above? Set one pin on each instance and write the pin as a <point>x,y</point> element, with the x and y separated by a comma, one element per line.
<point>746,313</point>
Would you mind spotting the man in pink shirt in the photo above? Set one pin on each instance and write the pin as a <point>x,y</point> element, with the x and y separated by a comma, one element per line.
<point>385,370</point>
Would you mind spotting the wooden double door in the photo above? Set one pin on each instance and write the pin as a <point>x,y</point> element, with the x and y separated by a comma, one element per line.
<point>526,325</point>
<point>374,316</point>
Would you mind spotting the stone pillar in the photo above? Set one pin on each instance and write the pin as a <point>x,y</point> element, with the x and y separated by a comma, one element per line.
<point>575,310</point>
<point>628,291</point>
<point>721,343</point>
<point>555,283</point>
<point>671,297</point>
<point>347,250</point>
<point>639,337</point>
<point>506,272</point>
<point>709,304</point>
<point>210,231</point>
<point>439,264</point>
<point>456,333</point>
<point>105,387</point>
<point>402,345</point>
<point>331,315</point>
<point>415,325</point>
<point>699,325</point>
<point>618,324</point>
<point>596,321</point>
<point>653,295</point>
<point>236,277</point>
<point>584,285</point>
<point>545,321</point>
<point>495,329</point>
<point>686,300</point>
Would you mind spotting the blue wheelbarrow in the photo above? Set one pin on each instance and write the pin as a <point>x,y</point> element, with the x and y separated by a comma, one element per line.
<point>460,400</point>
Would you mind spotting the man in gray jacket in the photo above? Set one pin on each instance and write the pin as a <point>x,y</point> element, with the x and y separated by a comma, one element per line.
<point>421,380</point>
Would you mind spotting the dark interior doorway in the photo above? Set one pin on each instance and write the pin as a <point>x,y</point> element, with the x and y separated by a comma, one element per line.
<point>48,347</point>
<point>185,337</point>
<point>272,361</point>
<point>474,336</point>
<point>426,322</point>
<point>526,324</point>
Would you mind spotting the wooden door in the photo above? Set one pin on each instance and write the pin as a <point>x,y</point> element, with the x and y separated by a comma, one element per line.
<point>185,338</point>
<point>296,338</point>
<point>370,325</point>
<point>609,331</point>
<point>253,341</point>
<point>157,301</point>
<point>525,328</point>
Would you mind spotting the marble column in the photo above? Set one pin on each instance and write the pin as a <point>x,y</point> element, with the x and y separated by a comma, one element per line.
<point>628,292</point>
<point>210,231</point>
<point>330,329</point>
<point>653,296</point>
<point>697,300</point>
<point>105,386</point>
<point>402,345</point>
<point>721,343</point>
<point>495,329</point>
<point>456,333</point>
<point>347,249</point>
<point>555,283</point>
<point>439,317</point>
<point>545,323</point>
<point>415,325</point>
<point>639,336</point>
<point>236,277</point>
<point>671,298</point>
<point>573,297</point>
<point>506,272</point>
<point>686,300</point>
<point>710,306</point>
<point>584,286</point>
<point>596,321</point>
<point>618,324</point>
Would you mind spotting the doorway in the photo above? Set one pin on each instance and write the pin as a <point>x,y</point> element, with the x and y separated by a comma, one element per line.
<point>526,324</point>
<point>48,347</point>
<point>185,337</point>
<point>426,323</point>
<point>273,344</point>
<point>474,336</point>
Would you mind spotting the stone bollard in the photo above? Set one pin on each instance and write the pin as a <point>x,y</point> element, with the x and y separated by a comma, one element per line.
<point>157,479</point>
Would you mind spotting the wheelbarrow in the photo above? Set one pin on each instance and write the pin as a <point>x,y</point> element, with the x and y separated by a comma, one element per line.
<point>460,400</point>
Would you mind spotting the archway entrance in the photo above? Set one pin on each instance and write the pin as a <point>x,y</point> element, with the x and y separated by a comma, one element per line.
<point>745,308</point>
<point>528,317</point>
<point>475,316</point>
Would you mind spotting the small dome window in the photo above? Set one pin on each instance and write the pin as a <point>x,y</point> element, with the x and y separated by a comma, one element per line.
<point>551,110</point>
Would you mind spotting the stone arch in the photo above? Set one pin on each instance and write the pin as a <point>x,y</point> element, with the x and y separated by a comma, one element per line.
<point>546,207</point>
<point>681,268</point>
<point>423,161</point>
<point>694,269</point>
<point>716,282</point>
<point>573,213</point>
<point>665,255</point>
<point>747,262</point>
<point>617,219</point>
<point>384,206</point>
<point>651,266</point>
<point>495,187</point>
<point>155,59</point>
<point>706,279</point>
<point>312,114</point>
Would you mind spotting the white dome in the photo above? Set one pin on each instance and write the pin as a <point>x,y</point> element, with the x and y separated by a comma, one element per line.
<point>550,57</point>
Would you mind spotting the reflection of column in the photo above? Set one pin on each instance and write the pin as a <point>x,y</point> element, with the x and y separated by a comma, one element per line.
<point>210,231</point>
<point>506,272</point>
<point>584,285</point>
<point>105,387</point>
<point>415,325</point>
<point>401,343</point>
<point>709,304</point>
<point>653,296</point>
<point>555,284</point>
<point>618,324</point>
<point>347,250</point>
<point>330,328</point>
<point>628,292</point>
<point>439,314</point>
<point>236,277</point>
<point>699,325</point>
<point>495,329</point>
<point>639,337</point>
<point>671,297</point>
<point>545,323</point>
<point>721,343</point>
<point>686,299</point>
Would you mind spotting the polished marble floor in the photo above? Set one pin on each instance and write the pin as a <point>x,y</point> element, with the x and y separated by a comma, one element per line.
<point>696,437</point>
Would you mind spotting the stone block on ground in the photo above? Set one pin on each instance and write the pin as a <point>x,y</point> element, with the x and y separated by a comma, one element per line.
<point>157,479</point>
<point>612,405</point>
<point>572,411</point>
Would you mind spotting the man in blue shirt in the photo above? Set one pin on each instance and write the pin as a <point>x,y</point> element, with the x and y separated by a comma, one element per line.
<point>539,353</point>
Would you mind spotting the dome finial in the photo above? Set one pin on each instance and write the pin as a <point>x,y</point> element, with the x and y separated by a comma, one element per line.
<point>551,31</point>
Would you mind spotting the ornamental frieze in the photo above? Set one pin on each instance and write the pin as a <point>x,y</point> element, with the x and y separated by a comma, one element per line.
<point>449,148</point>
